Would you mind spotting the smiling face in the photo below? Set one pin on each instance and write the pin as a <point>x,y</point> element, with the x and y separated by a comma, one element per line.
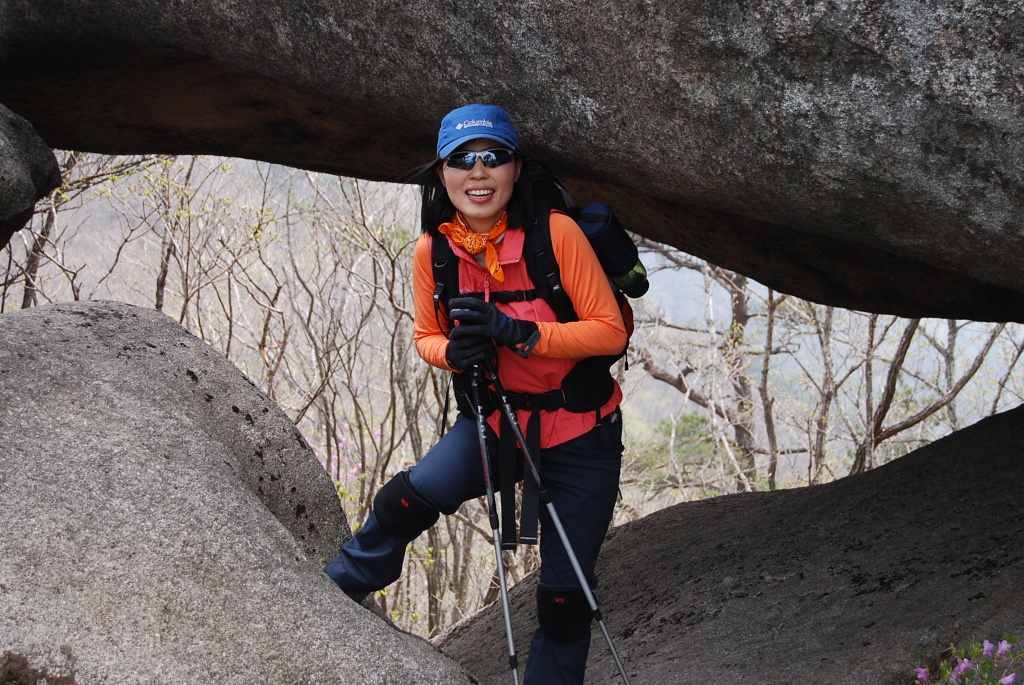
<point>481,194</point>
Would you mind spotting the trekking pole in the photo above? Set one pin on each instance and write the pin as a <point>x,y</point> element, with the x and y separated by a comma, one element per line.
<point>545,497</point>
<point>475,375</point>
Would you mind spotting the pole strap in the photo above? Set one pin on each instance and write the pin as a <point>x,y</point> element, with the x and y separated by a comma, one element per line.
<point>531,496</point>
<point>510,469</point>
<point>507,461</point>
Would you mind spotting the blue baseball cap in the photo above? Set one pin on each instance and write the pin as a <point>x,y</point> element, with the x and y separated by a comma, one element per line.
<point>475,121</point>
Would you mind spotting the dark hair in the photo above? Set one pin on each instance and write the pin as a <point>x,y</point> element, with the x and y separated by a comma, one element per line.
<point>436,208</point>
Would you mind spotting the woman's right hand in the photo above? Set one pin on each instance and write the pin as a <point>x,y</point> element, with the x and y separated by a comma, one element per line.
<point>466,350</point>
<point>483,318</point>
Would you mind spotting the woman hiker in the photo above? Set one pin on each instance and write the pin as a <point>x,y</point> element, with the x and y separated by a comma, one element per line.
<point>477,198</point>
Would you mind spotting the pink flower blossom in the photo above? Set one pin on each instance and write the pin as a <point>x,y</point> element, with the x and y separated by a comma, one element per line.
<point>922,674</point>
<point>1008,680</point>
<point>962,666</point>
<point>987,648</point>
<point>1004,647</point>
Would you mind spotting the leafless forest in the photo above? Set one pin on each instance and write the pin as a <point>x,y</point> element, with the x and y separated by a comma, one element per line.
<point>302,280</point>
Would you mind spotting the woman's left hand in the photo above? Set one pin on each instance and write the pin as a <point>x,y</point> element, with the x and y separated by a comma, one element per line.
<point>483,318</point>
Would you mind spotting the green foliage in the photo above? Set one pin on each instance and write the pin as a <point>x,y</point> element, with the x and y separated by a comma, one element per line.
<point>676,449</point>
<point>687,439</point>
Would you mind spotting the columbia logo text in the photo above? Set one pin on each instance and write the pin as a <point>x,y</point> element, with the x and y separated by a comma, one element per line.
<point>474,122</point>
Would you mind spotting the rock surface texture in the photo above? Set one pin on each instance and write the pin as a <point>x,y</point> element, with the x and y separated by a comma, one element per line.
<point>857,153</point>
<point>28,171</point>
<point>840,583</point>
<point>164,522</point>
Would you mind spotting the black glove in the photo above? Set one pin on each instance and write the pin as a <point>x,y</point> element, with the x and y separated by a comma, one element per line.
<point>483,318</point>
<point>467,349</point>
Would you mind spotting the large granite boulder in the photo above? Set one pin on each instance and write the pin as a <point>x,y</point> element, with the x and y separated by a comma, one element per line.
<point>162,521</point>
<point>28,171</point>
<point>857,153</point>
<point>847,583</point>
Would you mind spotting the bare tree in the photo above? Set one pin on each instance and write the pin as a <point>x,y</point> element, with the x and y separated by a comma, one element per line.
<point>866,380</point>
<point>944,397</point>
<point>767,400</point>
<point>729,396</point>
<point>40,268</point>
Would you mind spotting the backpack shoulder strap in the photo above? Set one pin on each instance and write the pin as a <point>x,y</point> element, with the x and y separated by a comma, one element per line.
<point>542,266</point>
<point>446,277</point>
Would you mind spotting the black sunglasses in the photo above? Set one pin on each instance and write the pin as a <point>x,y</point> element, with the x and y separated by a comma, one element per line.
<point>491,159</point>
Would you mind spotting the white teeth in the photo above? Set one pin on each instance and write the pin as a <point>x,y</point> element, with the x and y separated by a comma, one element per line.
<point>480,193</point>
